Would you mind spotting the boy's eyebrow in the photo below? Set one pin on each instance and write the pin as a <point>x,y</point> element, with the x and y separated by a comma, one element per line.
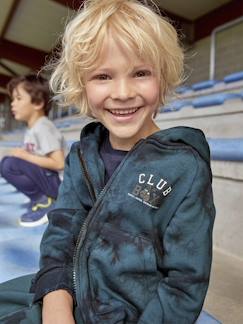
<point>101,69</point>
<point>143,66</point>
<point>130,68</point>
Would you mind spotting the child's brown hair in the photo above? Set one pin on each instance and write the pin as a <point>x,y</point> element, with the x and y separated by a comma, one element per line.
<point>36,86</point>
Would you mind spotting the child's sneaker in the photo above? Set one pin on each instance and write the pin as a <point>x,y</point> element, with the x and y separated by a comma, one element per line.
<point>37,213</point>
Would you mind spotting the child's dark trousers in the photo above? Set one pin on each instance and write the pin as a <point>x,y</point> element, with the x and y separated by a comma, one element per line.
<point>29,178</point>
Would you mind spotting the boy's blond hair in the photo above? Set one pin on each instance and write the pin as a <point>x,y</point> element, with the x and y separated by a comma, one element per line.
<point>135,26</point>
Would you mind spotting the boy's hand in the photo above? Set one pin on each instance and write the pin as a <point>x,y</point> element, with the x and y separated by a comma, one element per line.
<point>20,153</point>
<point>58,308</point>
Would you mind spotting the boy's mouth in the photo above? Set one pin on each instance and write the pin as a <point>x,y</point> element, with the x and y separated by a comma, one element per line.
<point>123,112</point>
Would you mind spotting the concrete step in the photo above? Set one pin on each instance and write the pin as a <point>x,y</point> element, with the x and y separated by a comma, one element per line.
<point>225,295</point>
<point>19,246</point>
<point>216,122</point>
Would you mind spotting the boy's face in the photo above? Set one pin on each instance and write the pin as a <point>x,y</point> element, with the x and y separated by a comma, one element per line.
<point>21,105</point>
<point>123,93</point>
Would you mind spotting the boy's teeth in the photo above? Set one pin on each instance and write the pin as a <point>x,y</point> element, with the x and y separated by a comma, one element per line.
<point>123,111</point>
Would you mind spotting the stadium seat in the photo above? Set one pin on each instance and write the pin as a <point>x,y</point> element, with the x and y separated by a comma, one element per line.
<point>176,105</point>
<point>214,100</point>
<point>204,85</point>
<point>11,143</point>
<point>19,248</point>
<point>63,124</point>
<point>223,149</point>
<point>206,318</point>
<point>234,77</point>
<point>182,89</point>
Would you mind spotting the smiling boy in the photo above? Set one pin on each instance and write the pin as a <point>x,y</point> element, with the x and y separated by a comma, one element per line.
<point>130,238</point>
<point>137,201</point>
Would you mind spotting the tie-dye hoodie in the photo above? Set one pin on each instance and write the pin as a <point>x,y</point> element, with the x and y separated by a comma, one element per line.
<point>138,249</point>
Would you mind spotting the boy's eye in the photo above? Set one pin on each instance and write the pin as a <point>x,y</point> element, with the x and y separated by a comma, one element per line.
<point>142,73</point>
<point>16,98</point>
<point>102,77</point>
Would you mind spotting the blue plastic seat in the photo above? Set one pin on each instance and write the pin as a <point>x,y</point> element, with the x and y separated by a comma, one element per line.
<point>63,124</point>
<point>67,123</point>
<point>182,89</point>
<point>206,318</point>
<point>204,85</point>
<point>10,144</point>
<point>19,248</point>
<point>176,105</point>
<point>234,77</point>
<point>230,149</point>
<point>214,100</point>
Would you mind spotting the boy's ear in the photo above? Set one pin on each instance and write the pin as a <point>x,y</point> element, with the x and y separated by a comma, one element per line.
<point>38,106</point>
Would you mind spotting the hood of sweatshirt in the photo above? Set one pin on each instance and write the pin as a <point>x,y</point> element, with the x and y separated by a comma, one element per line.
<point>192,137</point>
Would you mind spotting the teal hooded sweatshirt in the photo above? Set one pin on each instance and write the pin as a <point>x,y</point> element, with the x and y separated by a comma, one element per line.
<point>137,249</point>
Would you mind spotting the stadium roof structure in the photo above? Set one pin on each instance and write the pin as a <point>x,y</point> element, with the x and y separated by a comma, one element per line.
<point>29,29</point>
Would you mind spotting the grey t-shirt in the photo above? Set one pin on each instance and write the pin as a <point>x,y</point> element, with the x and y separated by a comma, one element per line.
<point>43,138</point>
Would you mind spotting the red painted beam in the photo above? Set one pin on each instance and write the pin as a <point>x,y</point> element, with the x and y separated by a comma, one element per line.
<point>73,4</point>
<point>22,54</point>
<point>207,23</point>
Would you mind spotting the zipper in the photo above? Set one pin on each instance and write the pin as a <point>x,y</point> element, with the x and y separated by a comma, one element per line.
<point>80,239</point>
<point>97,200</point>
<point>87,178</point>
<point>84,225</point>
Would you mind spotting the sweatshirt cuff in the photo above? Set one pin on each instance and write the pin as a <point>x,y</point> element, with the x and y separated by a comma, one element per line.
<point>51,280</point>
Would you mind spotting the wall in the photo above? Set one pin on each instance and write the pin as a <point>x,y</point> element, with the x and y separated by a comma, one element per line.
<point>229,49</point>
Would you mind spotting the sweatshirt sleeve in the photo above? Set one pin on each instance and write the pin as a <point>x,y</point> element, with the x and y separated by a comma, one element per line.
<point>58,242</point>
<point>187,245</point>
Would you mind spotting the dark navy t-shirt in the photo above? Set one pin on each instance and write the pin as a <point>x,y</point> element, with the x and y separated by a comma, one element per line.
<point>111,158</point>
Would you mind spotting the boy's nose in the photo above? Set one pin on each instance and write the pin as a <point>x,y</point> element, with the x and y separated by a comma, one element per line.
<point>122,90</point>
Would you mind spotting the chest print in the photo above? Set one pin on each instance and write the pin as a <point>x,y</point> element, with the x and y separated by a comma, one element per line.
<point>150,190</point>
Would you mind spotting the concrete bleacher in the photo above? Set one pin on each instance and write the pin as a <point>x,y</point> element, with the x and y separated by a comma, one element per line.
<point>221,120</point>
<point>230,83</point>
<point>219,113</point>
<point>19,248</point>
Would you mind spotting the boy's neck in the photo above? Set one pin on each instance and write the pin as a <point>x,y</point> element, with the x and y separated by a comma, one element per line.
<point>34,118</point>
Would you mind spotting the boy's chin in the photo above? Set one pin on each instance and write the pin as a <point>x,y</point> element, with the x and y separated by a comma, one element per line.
<point>18,118</point>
